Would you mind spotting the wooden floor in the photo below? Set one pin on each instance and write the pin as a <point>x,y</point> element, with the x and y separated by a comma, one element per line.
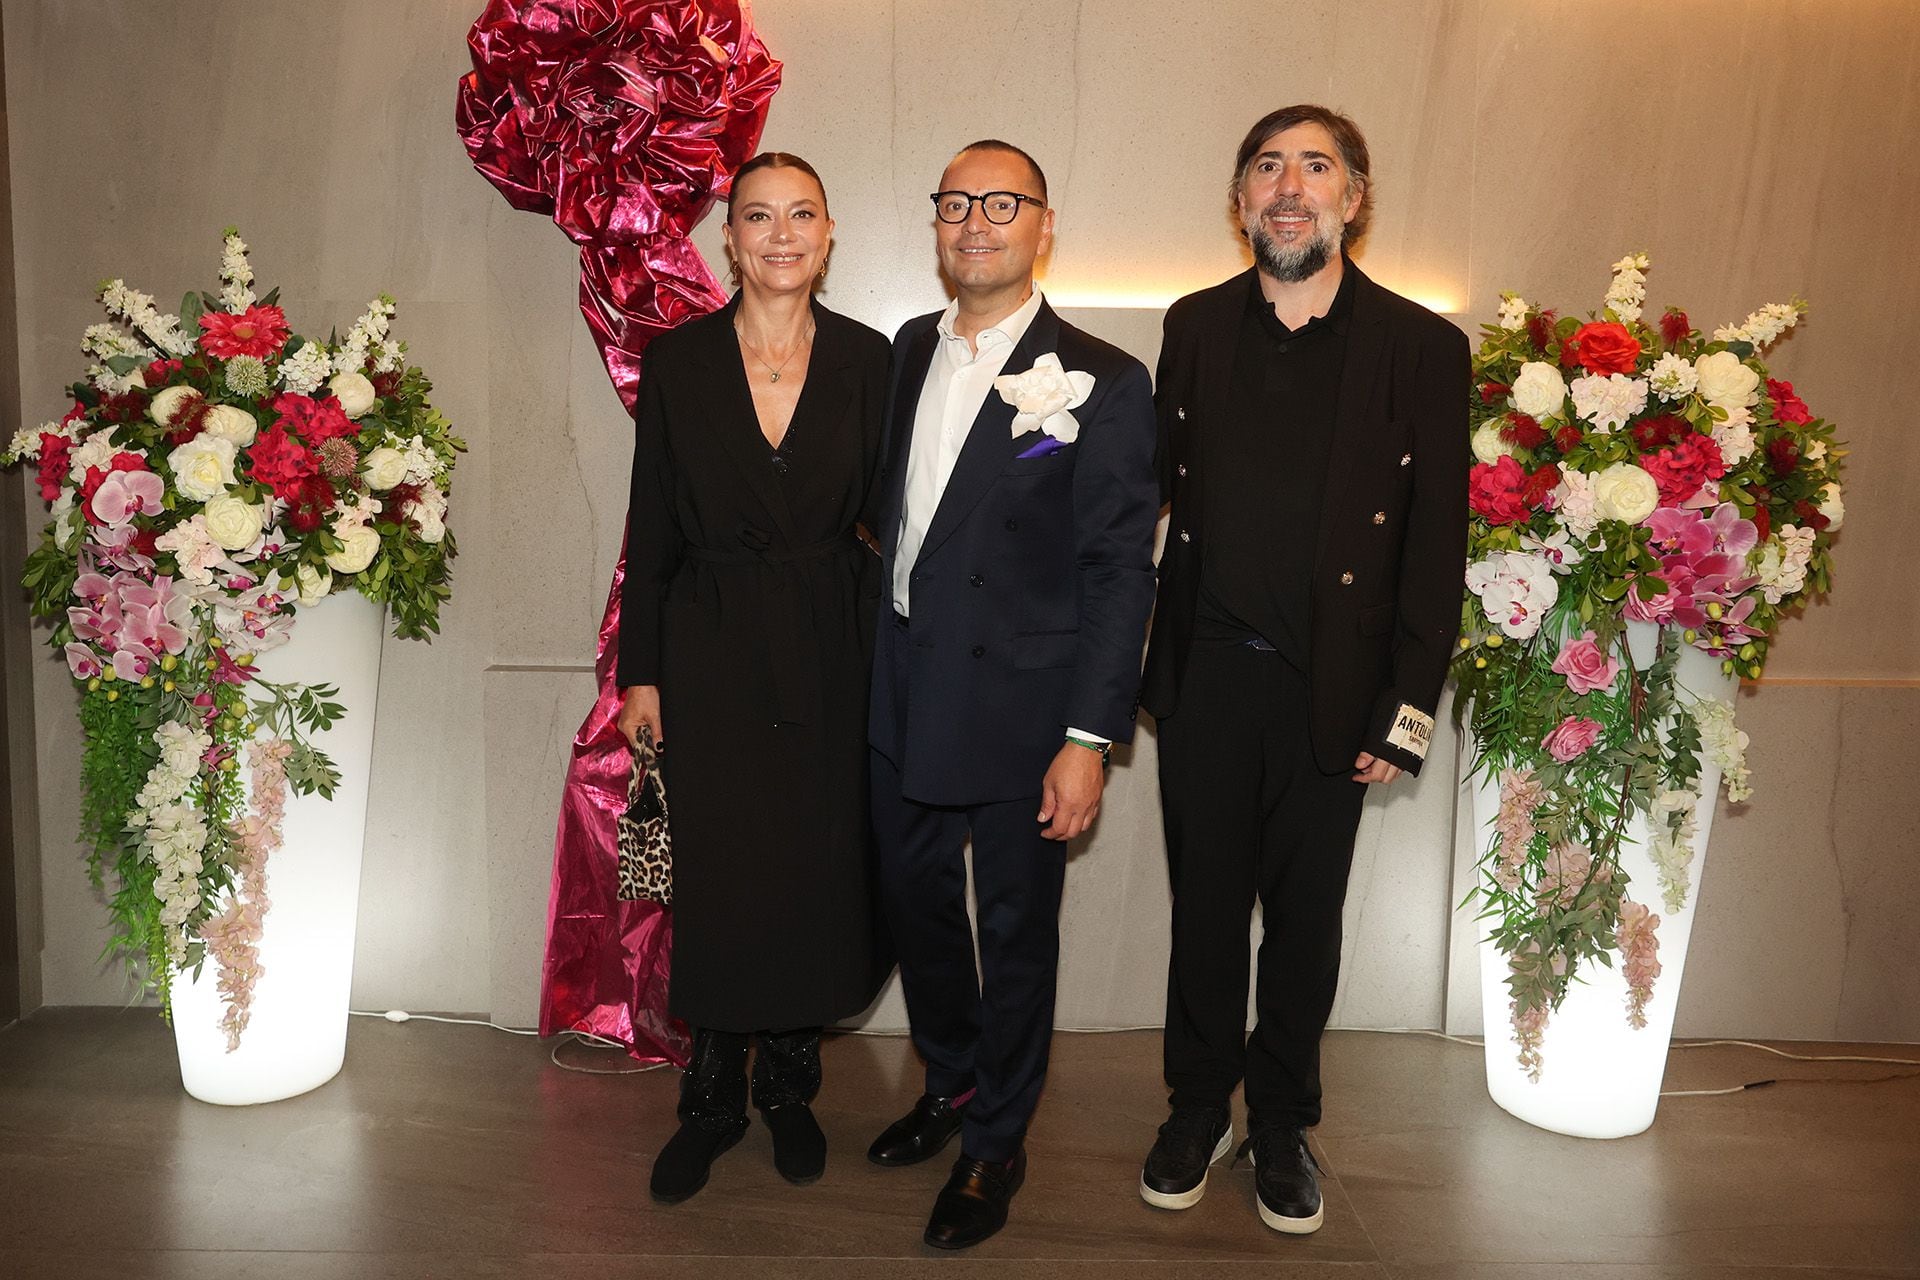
<point>460,1152</point>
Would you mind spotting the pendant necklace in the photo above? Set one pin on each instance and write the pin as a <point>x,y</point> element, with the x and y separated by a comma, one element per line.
<point>773,372</point>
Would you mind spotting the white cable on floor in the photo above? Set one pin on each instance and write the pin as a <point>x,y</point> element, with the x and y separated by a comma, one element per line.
<point>566,1038</point>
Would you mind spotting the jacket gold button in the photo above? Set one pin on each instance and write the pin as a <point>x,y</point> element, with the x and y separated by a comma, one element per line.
<point>1405,458</point>
<point>1346,579</point>
<point>1379,517</point>
<point>1181,469</point>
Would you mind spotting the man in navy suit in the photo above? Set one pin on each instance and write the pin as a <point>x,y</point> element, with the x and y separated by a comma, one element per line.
<point>1016,533</point>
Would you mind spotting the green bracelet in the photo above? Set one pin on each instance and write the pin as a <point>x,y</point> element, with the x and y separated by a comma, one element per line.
<point>1102,749</point>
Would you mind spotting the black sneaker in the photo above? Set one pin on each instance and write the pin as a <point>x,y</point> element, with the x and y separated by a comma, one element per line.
<point>1175,1175</point>
<point>1286,1189</point>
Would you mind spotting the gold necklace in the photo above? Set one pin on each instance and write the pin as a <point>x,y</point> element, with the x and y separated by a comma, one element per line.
<point>805,340</point>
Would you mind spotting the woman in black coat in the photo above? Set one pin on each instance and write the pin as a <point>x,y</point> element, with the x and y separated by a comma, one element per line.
<point>746,628</point>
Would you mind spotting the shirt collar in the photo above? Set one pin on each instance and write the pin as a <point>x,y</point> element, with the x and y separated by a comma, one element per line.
<point>1339,311</point>
<point>1009,331</point>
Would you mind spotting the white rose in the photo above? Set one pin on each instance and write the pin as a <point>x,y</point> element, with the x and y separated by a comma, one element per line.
<point>354,392</point>
<point>1625,492</point>
<point>314,583</point>
<point>231,523</point>
<point>1725,381</point>
<point>1831,507</point>
<point>359,545</point>
<point>1539,391</point>
<point>384,468</point>
<point>167,402</point>
<point>202,467</point>
<point>1488,447</point>
<point>230,422</point>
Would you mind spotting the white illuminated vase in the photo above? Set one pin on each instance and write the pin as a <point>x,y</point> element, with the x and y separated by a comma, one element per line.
<point>1600,1077</point>
<point>297,1036</point>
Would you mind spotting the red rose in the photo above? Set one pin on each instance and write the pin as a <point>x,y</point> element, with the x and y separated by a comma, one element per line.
<point>1524,431</point>
<point>1605,348</point>
<point>281,462</point>
<point>1566,438</point>
<point>1491,391</point>
<point>159,371</point>
<point>1682,469</point>
<point>1494,490</point>
<point>1674,326</point>
<point>314,421</point>
<point>1788,407</point>
<point>1658,433</point>
<point>1783,455</point>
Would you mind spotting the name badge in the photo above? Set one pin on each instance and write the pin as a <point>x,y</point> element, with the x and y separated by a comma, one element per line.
<point>1412,731</point>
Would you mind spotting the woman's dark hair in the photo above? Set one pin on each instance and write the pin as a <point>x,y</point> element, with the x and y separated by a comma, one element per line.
<point>775,160</point>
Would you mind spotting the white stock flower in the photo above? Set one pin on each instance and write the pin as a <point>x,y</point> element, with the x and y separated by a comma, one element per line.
<point>354,391</point>
<point>232,523</point>
<point>64,532</point>
<point>1610,401</point>
<point>1515,590</point>
<point>1539,391</point>
<point>305,370</point>
<point>359,545</point>
<point>1513,311</point>
<point>1629,287</point>
<point>25,446</point>
<point>202,467</point>
<point>1735,436</point>
<point>423,464</point>
<point>1815,450</point>
<point>384,468</point>
<point>1625,492</point>
<point>230,422</point>
<point>1672,377</point>
<point>1764,326</point>
<point>1726,381</point>
<point>96,450</point>
<point>1488,447</point>
<point>1831,507</point>
<point>236,274</point>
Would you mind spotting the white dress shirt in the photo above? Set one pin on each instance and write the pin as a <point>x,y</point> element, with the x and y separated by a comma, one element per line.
<point>959,379</point>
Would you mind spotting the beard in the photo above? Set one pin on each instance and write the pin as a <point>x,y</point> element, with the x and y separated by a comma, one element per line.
<point>1290,264</point>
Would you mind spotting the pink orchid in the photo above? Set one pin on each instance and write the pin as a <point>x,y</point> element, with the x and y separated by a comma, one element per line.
<point>131,664</point>
<point>157,617</point>
<point>125,494</point>
<point>82,661</point>
<point>117,545</point>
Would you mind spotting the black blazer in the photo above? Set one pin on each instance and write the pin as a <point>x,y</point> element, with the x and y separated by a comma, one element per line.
<point>1030,597</point>
<point>1390,551</point>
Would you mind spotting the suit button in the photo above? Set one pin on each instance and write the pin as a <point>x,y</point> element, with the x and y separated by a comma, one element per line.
<point>1405,458</point>
<point>1346,579</point>
<point>1185,536</point>
<point>1379,517</point>
<point>1181,469</point>
<point>1012,525</point>
<point>1181,413</point>
<point>977,580</point>
<point>979,651</point>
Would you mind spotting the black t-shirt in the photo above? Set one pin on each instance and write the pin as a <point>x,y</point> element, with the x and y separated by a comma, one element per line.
<point>1266,467</point>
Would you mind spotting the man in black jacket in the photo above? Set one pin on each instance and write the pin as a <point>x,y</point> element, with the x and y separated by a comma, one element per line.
<point>1016,534</point>
<point>1314,451</point>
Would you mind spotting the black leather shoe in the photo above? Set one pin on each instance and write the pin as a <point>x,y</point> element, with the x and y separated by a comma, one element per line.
<point>1286,1190</point>
<point>683,1164</point>
<point>1175,1176</point>
<point>919,1135</point>
<point>799,1148</point>
<point>973,1204</point>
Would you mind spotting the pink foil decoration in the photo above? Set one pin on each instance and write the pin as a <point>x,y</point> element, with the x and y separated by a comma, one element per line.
<point>623,120</point>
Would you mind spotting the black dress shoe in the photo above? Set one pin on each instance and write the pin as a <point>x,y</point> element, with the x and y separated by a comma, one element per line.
<point>799,1148</point>
<point>919,1135</point>
<point>1175,1175</point>
<point>683,1164</point>
<point>1286,1190</point>
<point>973,1204</point>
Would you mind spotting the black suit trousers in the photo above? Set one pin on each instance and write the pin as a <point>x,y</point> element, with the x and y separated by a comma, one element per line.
<point>1250,815</point>
<point>987,1032</point>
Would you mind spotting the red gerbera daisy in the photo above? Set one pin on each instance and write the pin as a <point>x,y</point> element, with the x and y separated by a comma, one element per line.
<point>256,332</point>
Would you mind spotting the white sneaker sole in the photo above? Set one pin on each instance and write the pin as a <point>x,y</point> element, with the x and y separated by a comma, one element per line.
<point>1286,1225</point>
<point>1186,1199</point>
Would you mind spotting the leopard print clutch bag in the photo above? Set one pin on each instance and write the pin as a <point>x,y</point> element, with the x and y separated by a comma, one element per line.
<point>646,845</point>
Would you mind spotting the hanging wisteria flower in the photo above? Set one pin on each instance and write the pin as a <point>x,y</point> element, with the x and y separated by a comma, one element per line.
<point>233,936</point>
<point>1520,794</point>
<point>1634,937</point>
<point>1726,746</point>
<point>1671,849</point>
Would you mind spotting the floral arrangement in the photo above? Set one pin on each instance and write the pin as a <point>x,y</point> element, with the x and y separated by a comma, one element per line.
<point>1625,471</point>
<point>215,473</point>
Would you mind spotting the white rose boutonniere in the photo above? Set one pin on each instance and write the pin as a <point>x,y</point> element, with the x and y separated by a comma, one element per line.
<point>1044,396</point>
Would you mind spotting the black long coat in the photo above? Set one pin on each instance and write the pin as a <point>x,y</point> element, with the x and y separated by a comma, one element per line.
<point>750,602</point>
<point>1391,546</point>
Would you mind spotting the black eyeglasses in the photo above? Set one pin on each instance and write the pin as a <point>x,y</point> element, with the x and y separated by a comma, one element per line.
<point>1000,207</point>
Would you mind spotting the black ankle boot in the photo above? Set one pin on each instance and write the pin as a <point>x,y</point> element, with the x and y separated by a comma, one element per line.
<point>713,1115</point>
<point>786,1078</point>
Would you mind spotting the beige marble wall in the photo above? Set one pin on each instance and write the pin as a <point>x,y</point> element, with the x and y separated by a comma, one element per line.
<point>1752,148</point>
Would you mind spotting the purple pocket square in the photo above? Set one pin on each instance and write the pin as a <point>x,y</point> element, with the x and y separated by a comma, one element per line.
<point>1045,447</point>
